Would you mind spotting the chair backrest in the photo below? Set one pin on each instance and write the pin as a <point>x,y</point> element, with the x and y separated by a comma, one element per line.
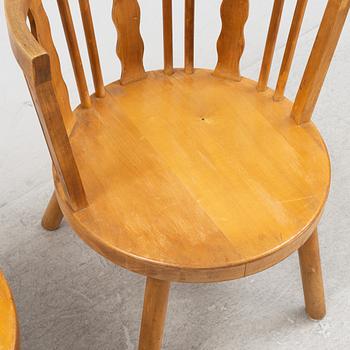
<point>36,54</point>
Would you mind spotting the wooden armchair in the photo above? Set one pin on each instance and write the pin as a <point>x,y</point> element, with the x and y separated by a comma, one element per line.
<point>185,175</point>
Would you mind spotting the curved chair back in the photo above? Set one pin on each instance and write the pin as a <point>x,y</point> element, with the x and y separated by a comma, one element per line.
<point>37,56</point>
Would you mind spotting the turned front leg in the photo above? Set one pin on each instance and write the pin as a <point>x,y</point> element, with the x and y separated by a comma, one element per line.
<point>53,215</point>
<point>311,273</point>
<point>154,314</point>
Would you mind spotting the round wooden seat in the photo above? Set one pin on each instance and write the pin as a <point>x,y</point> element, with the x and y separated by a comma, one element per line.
<point>196,178</point>
<point>8,319</point>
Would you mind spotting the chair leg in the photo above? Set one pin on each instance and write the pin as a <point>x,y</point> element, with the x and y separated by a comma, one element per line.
<point>311,273</point>
<point>52,216</point>
<point>154,314</point>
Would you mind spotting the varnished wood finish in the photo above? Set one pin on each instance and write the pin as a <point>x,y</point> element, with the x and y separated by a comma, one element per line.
<point>290,49</point>
<point>181,175</point>
<point>189,35</point>
<point>311,273</point>
<point>9,334</point>
<point>92,47</point>
<point>53,215</point>
<point>74,52</point>
<point>320,59</point>
<point>154,314</point>
<point>126,17</point>
<point>270,44</point>
<point>230,46</point>
<point>168,36</point>
<point>250,187</point>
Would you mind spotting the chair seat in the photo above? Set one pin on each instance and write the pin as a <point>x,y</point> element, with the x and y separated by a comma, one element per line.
<point>195,178</point>
<point>8,320</point>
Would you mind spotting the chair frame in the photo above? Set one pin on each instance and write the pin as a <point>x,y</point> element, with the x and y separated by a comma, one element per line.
<point>41,67</point>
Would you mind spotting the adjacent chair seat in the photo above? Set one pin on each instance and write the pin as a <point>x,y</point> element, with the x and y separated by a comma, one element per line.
<point>8,320</point>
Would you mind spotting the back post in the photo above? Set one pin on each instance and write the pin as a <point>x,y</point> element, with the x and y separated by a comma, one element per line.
<point>321,56</point>
<point>37,56</point>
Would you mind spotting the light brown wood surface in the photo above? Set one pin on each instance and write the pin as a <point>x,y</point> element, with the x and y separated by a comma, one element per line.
<point>9,334</point>
<point>187,193</point>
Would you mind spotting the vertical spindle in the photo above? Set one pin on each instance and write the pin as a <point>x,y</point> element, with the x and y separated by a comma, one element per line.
<point>74,52</point>
<point>92,47</point>
<point>168,36</point>
<point>290,49</point>
<point>189,36</point>
<point>270,44</point>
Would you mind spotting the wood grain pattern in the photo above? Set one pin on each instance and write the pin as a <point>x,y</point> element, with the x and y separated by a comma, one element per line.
<point>168,36</point>
<point>126,17</point>
<point>235,183</point>
<point>270,45</point>
<point>230,46</point>
<point>189,35</point>
<point>290,49</point>
<point>311,273</point>
<point>74,52</point>
<point>9,334</point>
<point>320,59</point>
<point>154,314</point>
<point>92,47</point>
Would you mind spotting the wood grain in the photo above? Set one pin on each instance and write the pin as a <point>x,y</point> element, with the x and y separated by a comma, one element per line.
<point>230,46</point>
<point>320,59</point>
<point>270,45</point>
<point>126,17</point>
<point>290,49</point>
<point>9,333</point>
<point>235,183</point>
<point>311,273</point>
<point>154,314</point>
